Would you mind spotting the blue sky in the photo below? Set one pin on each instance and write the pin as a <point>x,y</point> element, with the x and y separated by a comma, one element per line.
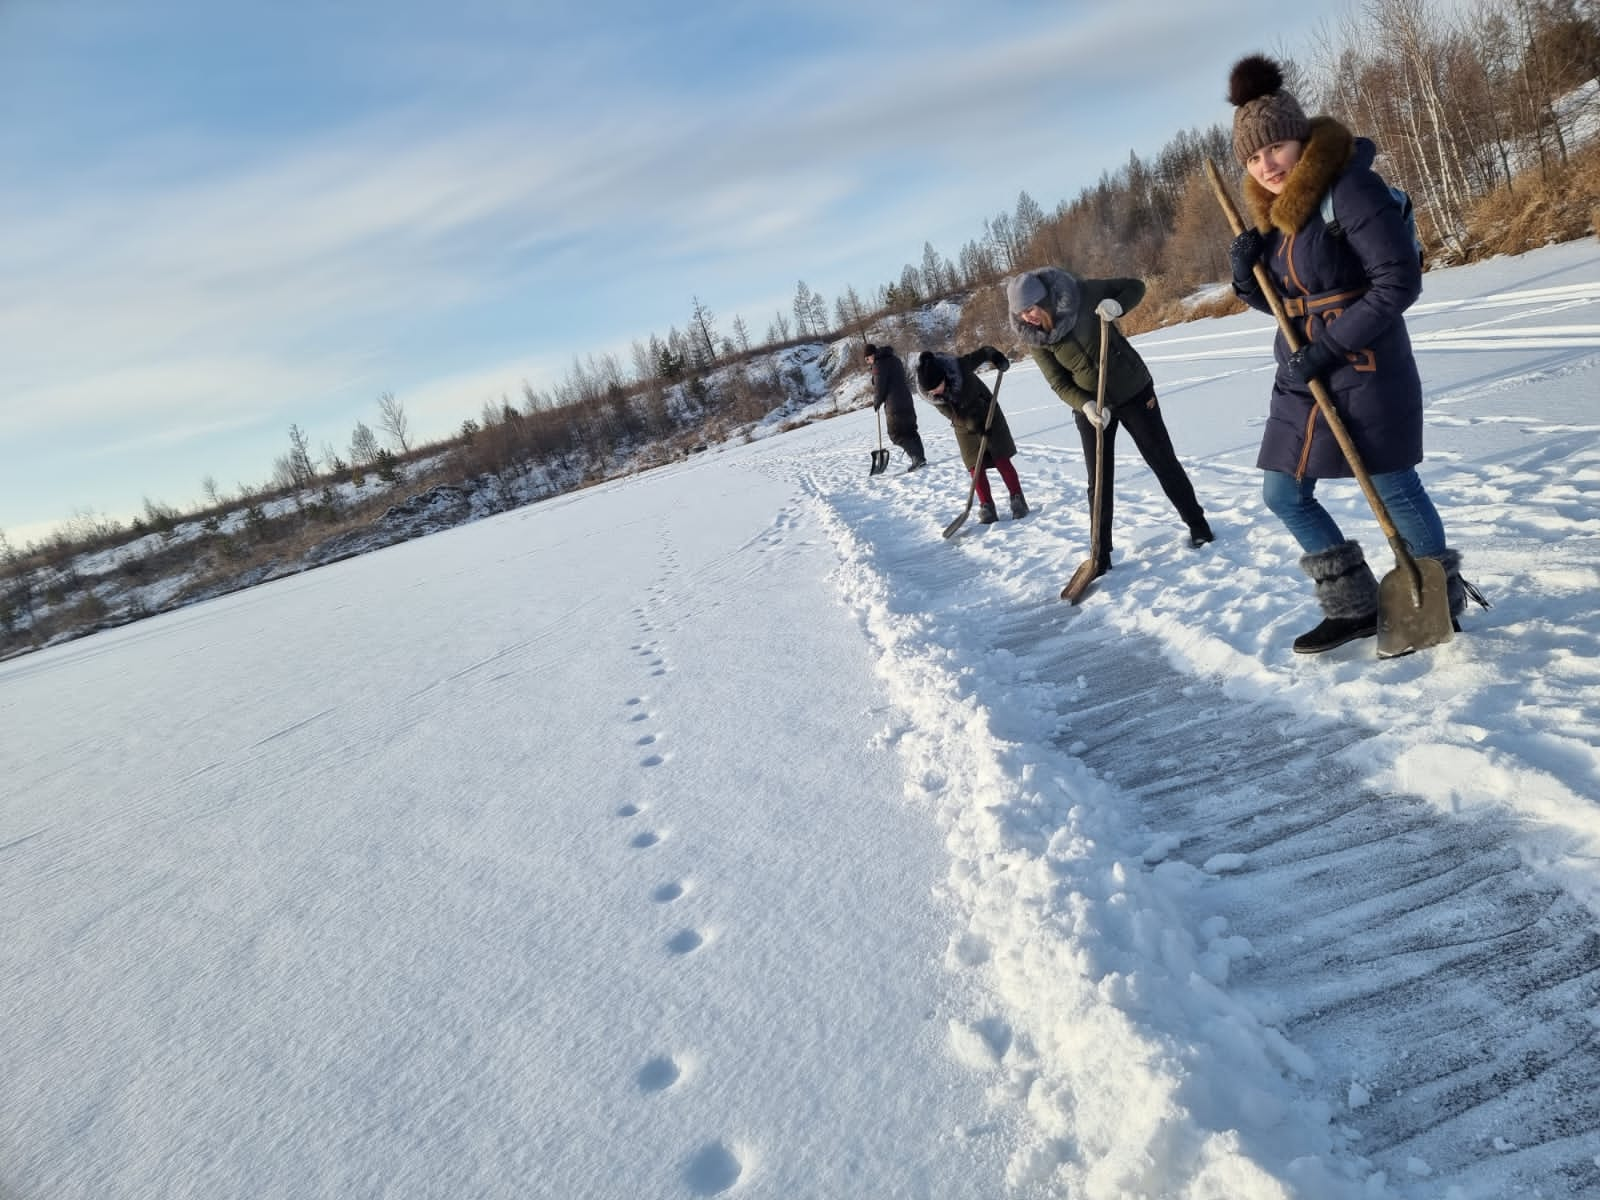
<point>221,219</point>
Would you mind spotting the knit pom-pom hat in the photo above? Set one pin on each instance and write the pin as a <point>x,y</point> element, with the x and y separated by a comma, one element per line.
<point>1263,112</point>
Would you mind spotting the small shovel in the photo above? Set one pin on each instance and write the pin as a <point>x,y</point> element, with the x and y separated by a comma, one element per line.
<point>880,456</point>
<point>1413,599</point>
<point>1089,569</point>
<point>983,449</point>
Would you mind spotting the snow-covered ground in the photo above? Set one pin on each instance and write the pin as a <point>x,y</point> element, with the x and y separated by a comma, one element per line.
<point>724,830</point>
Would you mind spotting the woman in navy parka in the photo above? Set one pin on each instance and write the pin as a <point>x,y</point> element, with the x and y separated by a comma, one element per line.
<point>1347,289</point>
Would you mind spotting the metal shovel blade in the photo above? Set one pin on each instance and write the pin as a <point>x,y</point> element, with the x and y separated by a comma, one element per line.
<point>880,462</point>
<point>1410,618</point>
<point>1080,581</point>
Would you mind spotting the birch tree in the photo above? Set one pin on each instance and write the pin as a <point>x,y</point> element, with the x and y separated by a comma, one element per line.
<point>392,419</point>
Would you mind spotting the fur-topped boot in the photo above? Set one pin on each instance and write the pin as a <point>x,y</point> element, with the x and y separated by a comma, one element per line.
<point>1348,592</point>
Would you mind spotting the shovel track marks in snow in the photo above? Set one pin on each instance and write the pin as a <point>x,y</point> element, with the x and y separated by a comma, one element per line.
<point>1428,932</point>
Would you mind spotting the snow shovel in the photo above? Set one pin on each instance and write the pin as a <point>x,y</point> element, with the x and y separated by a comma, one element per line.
<point>1413,599</point>
<point>983,448</point>
<point>880,456</point>
<point>1089,569</point>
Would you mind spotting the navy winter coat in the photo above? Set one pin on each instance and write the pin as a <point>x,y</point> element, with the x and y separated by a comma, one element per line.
<point>1350,291</point>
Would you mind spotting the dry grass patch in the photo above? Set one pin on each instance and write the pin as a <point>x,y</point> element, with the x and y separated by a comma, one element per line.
<point>1536,211</point>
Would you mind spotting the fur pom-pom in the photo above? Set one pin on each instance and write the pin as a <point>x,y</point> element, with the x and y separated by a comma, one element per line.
<point>1253,77</point>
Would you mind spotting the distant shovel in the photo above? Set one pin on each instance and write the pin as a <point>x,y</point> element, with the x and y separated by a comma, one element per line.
<point>1089,569</point>
<point>983,448</point>
<point>1413,599</point>
<point>880,456</point>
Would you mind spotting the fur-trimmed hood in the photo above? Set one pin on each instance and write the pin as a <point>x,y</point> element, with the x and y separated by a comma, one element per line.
<point>1329,151</point>
<point>1063,300</point>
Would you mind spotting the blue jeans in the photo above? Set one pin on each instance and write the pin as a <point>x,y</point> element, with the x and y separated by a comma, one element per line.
<point>1294,502</point>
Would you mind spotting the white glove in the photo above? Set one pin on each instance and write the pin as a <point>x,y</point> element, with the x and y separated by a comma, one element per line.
<point>1093,415</point>
<point>1109,309</point>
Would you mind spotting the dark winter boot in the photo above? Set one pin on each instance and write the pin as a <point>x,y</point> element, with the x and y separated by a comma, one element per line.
<point>987,514</point>
<point>916,463</point>
<point>1019,506</point>
<point>1348,593</point>
<point>1200,532</point>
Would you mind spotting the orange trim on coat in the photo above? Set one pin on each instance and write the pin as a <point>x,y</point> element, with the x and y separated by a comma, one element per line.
<point>1305,447</point>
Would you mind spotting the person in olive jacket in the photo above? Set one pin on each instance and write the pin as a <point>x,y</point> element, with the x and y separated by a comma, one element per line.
<point>890,390</point>
<point>1057,315</point>
<point>951,384</point>
<point>1348,287</point>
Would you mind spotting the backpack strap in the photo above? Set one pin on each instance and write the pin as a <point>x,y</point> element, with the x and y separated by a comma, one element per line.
<point>1327,214</point>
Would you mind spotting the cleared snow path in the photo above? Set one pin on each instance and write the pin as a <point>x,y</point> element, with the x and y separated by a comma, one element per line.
<point>1229,951</point>
<point>1452,989</point>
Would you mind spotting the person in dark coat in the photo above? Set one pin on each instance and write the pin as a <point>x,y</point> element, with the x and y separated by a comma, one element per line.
<point>1058,316</point>
<point>951,384</point>
<point>890,390</point>
<point>1349,291</point>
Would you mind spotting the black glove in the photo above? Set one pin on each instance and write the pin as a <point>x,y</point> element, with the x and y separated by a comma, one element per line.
<point>1244,252</point>
<point>1310,361</point>
<point>1002,364</point>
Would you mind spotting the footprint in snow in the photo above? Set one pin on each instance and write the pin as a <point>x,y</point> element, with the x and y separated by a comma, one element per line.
<point>643,841</point>
<point>652,760</point>
<point>712,1170</point>
<point>666,893</point>
<point>628,810</point>
<point>686,941</point>
<point>659,1074</point>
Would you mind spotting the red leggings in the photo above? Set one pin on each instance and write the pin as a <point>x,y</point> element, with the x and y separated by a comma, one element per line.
<point>1008,475</point>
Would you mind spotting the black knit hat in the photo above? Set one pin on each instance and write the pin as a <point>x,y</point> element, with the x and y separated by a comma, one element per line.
<point>929,373</point>
<point>869,351</point>
<point>1263,112</point>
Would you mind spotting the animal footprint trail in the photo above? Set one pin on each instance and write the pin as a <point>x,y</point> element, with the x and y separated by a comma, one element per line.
<point>718,1165</point>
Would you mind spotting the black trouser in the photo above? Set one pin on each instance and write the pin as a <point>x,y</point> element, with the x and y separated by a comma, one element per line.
<point>903,433</point>
<point>1142,416</point>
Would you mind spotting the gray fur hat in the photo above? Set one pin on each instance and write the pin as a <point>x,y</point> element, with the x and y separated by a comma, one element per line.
<point>1056,291</point>
<point>1025,291</point>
